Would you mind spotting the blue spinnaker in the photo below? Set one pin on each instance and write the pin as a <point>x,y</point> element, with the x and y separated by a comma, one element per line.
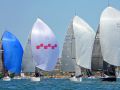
<point>13,52</point>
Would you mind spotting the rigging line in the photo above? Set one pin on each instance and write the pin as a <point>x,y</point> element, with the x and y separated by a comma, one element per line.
<point>108,3</point>
<point>75,12</point>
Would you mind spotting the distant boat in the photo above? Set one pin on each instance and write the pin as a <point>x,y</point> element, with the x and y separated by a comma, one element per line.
<point>42,49</point>
<point>77,48</point>
<point>12,55</point>
<point>110,39</point>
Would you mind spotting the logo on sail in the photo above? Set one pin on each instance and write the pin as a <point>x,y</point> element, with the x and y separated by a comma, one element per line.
<point>48,46</point>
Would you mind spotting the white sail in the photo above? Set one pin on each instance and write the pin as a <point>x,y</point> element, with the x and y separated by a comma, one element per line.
<point>77,70</point>
<point>110,35</point>
<point>28,64</point>
<point>84,39</point>
<point>68,52</point>
<point>44,45</point>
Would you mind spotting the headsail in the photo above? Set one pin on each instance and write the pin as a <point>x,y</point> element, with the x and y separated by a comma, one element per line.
<point>44,45</point>
<point>84,39</point>
<point>28,64</point>
<point>13,52</point>
<point>110,36</point>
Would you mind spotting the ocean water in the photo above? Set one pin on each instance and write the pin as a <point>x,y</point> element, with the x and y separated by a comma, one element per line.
<point>59,84</point>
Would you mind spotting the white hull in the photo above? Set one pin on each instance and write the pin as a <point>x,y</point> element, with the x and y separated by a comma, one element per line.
<point>35,79</point>
<point>92,77</point>
<point>7,79</point>
<point>17,77</point>
<point>74,79</point>
<point>118,77</point>
<point>25,77</point>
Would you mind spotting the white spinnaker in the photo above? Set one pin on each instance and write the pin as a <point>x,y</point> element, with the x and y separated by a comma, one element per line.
<point>44,45</point>
<point>110,35</point>
<point>84,39</point>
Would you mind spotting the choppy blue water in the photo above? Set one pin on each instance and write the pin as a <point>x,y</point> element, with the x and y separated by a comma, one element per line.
<point>59,84</point>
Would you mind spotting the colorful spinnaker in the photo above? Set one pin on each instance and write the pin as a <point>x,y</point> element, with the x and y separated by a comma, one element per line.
<point>13,53</point>
<point>43,47</point>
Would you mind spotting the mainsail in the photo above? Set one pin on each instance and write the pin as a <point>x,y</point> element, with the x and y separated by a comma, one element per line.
<point>13,53</point>
<point>68,52</point>
<point>28,64</point>
<point>97,58</point>
<point>110,35</point>
<point>45,49</point>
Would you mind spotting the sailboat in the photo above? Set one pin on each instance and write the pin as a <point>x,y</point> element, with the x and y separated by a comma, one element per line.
<point>12,55</point>
<point>109,39</point>
<point>43,49</point>
<point>77,48</point>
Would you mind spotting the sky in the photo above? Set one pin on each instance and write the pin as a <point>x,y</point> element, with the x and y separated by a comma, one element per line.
<point>18,16</point>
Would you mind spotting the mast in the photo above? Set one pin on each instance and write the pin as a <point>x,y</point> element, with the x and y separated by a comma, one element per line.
<point>108,3</point>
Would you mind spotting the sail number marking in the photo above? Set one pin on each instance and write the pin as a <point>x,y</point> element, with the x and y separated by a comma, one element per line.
<point>48,46</point>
